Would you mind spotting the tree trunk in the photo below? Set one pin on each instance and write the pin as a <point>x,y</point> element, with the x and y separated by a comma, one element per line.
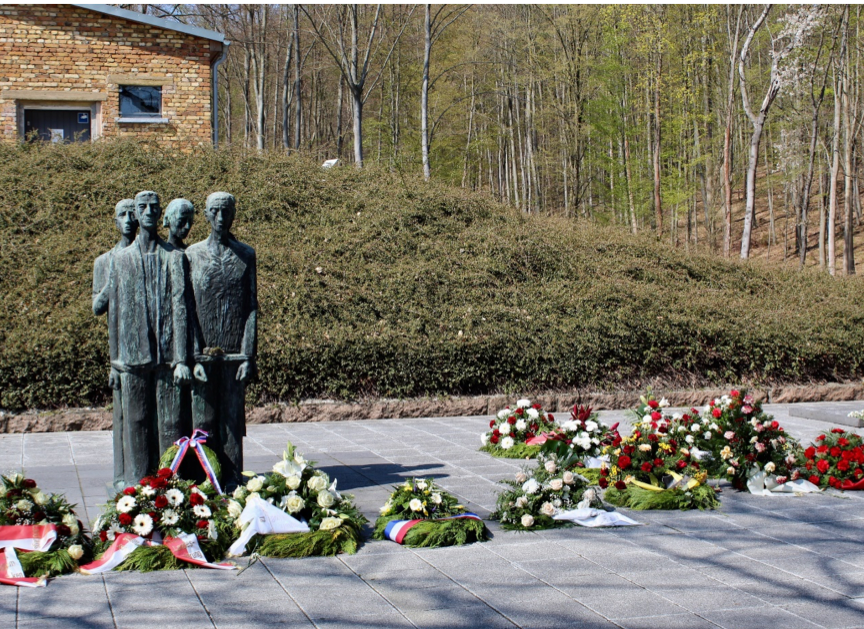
<point>298,94</point>
<point>727,137</point>
<point>848,241</point>
<point>424,93</point>
<point>340,99</point>
<point>357,109</point>
<point>832,183</point>
<point>658,206</point>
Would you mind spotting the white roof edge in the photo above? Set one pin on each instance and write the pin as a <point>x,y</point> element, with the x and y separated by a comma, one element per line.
<point>159,22</point>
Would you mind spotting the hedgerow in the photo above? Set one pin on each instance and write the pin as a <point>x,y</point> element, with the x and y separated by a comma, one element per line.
<point>376,283</point>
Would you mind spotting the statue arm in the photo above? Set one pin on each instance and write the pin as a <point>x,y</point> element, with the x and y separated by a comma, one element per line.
<point>180,314</point>
<point>250,331</point>
<point>100,286</point>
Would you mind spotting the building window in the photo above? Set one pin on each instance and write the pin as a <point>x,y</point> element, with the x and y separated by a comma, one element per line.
<point>138,102</point>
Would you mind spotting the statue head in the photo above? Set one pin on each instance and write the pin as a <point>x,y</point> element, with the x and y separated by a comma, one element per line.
<point>148,210</point>
<point>178,217</point>
<point>125,219</point>
<point>220,211</point>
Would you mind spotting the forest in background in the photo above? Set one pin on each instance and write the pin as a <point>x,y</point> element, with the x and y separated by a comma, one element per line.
<point>724,128</point>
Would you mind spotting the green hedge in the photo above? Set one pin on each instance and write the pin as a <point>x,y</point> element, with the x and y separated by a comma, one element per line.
<point>405,266</point>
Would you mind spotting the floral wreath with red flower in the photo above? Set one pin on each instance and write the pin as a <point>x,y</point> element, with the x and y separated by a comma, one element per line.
<point>23,503</point>
<point>581,438</point>
<point>652,469</point>
<point>513,427</point>
<point>836,459</point>
<point>165,505</point>
<point>754,441</point>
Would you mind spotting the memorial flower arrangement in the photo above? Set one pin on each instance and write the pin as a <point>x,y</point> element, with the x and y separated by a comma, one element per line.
<point>513,427</point>
<point>308,495</point>
<point>703,436</point>
<point>24,504</point>
<point>836,459</point>
<point>419,513</point>
<point>535,495</point>
<point>163,506</point>
<point>755,442</point>
<point>583,436</point>
<point>653,469</point>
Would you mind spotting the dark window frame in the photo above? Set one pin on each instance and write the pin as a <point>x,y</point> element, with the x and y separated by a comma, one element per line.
<point>128,97</point>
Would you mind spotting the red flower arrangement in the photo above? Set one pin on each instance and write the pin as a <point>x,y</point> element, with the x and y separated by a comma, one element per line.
<point>836,460</point>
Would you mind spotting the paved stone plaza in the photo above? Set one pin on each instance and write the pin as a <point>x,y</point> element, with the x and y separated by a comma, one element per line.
<point>785,561</point>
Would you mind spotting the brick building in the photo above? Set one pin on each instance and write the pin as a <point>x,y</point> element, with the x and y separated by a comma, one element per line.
<point>83,71</point>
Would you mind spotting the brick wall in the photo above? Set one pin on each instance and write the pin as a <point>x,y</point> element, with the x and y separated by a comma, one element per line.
<point>61,48</point>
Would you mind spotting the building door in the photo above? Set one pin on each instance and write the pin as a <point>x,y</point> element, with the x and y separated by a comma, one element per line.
<point>58,125</point>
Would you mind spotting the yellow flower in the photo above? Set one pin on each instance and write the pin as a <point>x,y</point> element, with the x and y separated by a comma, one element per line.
<point>614,470</point>
<point>618,452</point>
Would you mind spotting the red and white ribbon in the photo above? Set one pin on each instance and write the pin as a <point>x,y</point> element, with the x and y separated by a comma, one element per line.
<point>11,572</point>
<point>196,442</point>
<point>28,537</point>
<point>185,547</point>
<point>123,546</point>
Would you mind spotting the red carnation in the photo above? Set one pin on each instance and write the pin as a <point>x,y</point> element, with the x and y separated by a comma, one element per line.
<point>550,417</point>
<point>822,449</point>
<point>820,438</point>
<point>531,435</point>
<point>603,483</point>
<point>624,462</point>
<point>835,451</point>
<point>809,465</point>
<point>681,464</point>
<point>814,479</point>
<point>129,491</point>
<point>823,465</point>
<point>858,472</point>
<point>620,485</point>
<point>103,535</point>
<point>843,465</point>
<point>125,519</point>
<point>511,420</point>
<point>775,425</point>
<point>145,482</point>
<point>536,406</point>
<point>153,515</point>
<point>658,462</point>
<point>646,466</point>
<point>604,471</point>
<point>63,530</point>
<point>28,483</point>
<point>165,472</point>
<point>492,424</point>
<point>494,438</point>
<point>838,431</point>
<point>842,442</point>
<point>810,452</point>
<point>664,428</point>
<point>38,516</point>
<point>196,499</point>
<point>159,483</point>
<point>656,416</point>
<point>629,449</point>
<point>833,481</point>
<point>519,411</point>
<point>202,524</point>
<point>653,438</point>
<point>653,403</point>
<point>161,502</point>
<point>734,393</point>
<point>717,413</point>
<point>496,433</point>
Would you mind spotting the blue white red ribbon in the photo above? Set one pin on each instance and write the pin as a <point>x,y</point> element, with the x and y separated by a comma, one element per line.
<point>196,442</point>
<point>397,529</point>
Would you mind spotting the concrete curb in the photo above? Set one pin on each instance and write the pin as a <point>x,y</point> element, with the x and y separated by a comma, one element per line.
<point>319,411</point>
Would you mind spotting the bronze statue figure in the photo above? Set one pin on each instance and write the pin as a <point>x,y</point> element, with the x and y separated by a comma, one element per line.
<point>179,216</point>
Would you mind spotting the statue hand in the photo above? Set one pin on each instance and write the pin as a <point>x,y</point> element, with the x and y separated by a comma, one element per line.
<point>200,374</point>
<point>114,379</point>
<point>182,374</point>
<point>244,371</point>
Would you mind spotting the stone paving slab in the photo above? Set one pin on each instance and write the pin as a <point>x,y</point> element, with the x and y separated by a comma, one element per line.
<point>790,561</point>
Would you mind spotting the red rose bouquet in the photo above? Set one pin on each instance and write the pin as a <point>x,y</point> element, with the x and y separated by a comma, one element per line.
<point>580,438</point>
<point>836,460</point>
<point>513,427</point>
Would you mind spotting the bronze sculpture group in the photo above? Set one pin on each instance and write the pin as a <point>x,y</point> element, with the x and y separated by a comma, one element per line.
<point>182,332</point>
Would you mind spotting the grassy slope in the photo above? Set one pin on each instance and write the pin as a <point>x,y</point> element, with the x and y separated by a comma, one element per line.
<point>404,267</point>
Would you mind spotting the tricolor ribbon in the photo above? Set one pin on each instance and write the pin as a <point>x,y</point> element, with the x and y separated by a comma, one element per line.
<point>11,572</point>
<point>397,529</point>
<point>28,537</point>
<point>196,442</point>
<point>184,547</point>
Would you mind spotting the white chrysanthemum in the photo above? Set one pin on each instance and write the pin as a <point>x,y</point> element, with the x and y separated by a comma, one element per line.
<point>504,413</point>
<point>570,426</point>
<point>645,447</point>
<point>507,443</point>
<point>421,485</point>
<point>682,429</point>
<point>523,403</point>
<point>706,435</point>
<point>148,491</point>
<point>202,511</point>
<point>504,428</point>
<point>436,498</point>
<point>416,505</point>
<point>770,467</point>
<point>677,416</point>
<point>175,497</point>
<point>532,413</point>
<point>170,517</point>
<point>23,505</point>
<point>714,426</point>
<point>530,486</point>
<point>126,504</point>
<point>591,426</point>
<point>689,439</point>
<point>142,524</point>
<point>521,424</point>
<point>484,439</point>
<point>256,484</point>
<point>646,419</point>
<point>114,530</point>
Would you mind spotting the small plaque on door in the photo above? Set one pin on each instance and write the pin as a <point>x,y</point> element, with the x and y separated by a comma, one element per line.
<point>83,118</point>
